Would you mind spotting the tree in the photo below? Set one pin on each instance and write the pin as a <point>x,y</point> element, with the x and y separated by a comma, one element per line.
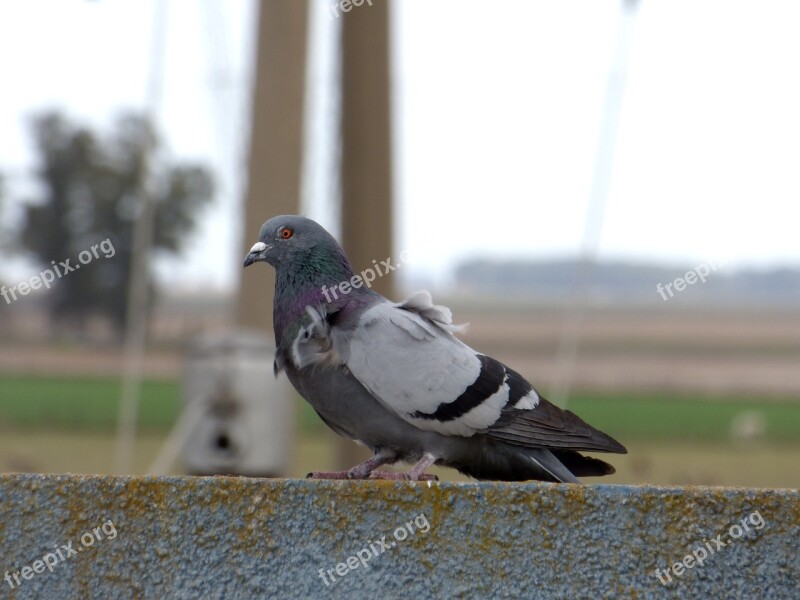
<point>91,189</point>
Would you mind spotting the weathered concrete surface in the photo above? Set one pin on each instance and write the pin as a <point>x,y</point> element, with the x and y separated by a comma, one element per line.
<point>184,537</point>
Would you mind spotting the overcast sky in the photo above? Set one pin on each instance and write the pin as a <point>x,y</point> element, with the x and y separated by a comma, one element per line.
<point>499,111</point>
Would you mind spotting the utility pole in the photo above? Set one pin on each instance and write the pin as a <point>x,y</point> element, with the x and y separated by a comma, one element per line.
<point>366,151</point>
<point>276,143</point>
<point>136,318</point>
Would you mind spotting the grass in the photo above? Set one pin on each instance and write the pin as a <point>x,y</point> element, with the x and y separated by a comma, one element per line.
<point>90,403</point>
<point>82,402</point>
<point>669,416</point>
<point>61,424</point>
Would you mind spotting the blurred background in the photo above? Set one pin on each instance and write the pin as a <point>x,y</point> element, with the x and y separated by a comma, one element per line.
<point>607,191</point>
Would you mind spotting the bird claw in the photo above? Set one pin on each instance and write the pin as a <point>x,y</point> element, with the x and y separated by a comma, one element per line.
<point>356,473</point>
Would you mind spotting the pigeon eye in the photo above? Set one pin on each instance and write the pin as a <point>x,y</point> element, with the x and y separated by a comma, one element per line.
<point>286,232</point>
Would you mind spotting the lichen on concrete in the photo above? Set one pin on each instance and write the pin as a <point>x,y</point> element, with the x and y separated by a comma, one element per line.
<point>223,537</point>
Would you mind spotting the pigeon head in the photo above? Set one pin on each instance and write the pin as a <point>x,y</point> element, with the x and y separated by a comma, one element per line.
<point>291,240</point>
<point>308,261</point>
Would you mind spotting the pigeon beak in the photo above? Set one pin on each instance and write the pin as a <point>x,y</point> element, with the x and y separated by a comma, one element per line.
<point>257,253</point>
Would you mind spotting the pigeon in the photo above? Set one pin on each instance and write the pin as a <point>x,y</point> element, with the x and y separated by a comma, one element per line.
<point>393,377</point>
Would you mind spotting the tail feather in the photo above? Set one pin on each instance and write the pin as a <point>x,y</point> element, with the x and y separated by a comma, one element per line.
<point>583,466</point>
<point>509,462</point>
<point>552,465</point>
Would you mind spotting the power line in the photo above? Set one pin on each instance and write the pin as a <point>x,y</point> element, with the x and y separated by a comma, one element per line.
<point>138,282</point>
<point>575,313</point>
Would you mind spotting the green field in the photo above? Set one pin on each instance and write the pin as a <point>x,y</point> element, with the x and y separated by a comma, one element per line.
<point>90,403</point>
<point>82,402</point>
<point>693,417</point>
<point>62,424</point>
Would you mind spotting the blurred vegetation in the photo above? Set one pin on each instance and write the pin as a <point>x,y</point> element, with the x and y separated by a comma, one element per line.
<point>91,184</point>
<point>82,403</point>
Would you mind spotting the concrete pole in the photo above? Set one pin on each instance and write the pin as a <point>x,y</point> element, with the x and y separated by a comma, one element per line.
<point>366,151</point>
<point>275,161</point>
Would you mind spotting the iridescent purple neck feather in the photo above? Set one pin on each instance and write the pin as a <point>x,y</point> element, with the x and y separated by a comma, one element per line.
<point>304,282</point>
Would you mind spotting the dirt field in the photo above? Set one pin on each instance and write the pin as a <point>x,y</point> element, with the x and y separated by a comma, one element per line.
<point>721,352</point>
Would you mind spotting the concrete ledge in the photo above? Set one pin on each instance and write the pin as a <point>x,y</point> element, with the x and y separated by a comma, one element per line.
<point>220,537</point>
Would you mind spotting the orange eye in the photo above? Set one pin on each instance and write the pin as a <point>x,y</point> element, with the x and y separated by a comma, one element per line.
<point>286,232</point>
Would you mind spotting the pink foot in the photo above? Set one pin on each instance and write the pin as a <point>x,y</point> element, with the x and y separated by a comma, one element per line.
<point>360,471</point>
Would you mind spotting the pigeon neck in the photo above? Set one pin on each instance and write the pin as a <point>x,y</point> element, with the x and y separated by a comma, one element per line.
<point>309,283</point>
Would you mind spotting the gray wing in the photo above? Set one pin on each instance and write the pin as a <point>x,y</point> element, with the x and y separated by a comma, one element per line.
<point>407,357</point>
<point>550,427</point>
